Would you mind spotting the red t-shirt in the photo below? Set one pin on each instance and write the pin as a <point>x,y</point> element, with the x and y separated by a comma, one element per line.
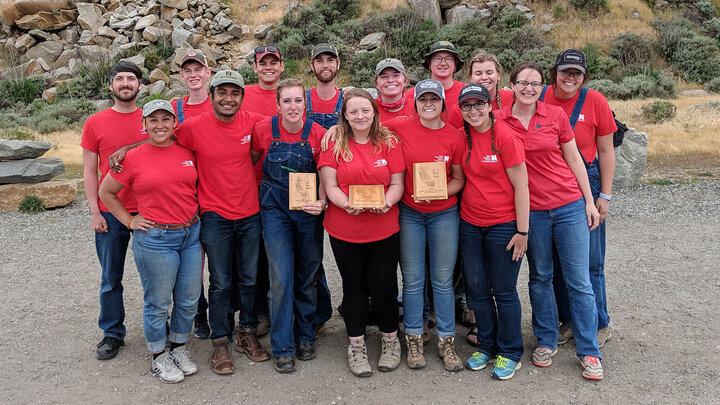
<point>489,197</point>
<point>193,110</point>
<point>227,185</point>
<point>422,144</point>
<point>106,132</point>
<point>456,119</point>
<point>408,110</point>
<point>164,180</point>
<point>262,137</point>
<point>451,94</point>
<point>323,106</point>
<point>365,168</point>
<point>263,102</point>
<point>551,182</point>
<point>595,119</point>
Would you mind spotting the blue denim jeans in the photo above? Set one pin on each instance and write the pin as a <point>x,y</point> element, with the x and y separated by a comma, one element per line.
<point>439,230</point>
<point>111,249</point>
<point>227,242</point>
<point>294,245</point>
<point>169,262</point>
<point>491,276</point>
<point>566,227</point>
<point>597,264</point>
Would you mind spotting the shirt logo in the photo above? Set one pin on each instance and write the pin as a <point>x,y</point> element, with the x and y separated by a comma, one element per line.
<point>490,159</point>
<point>581,117</point>
<point>380,163</point>
<point>246,139</point>
<point>188,163</point>
<point>442,158</point>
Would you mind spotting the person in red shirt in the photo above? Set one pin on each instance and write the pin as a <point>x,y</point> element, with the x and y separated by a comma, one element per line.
<point>494,217</point>
<point>166,237</point>
<point>103,133</point>
<point>431,224</point>
<point>293,238</point>
<point>593,129</point>
<point>391,81</point>
<point>562,213</point>
<point>365,242</point>
<point>443,61</point>
<point>194,72</point>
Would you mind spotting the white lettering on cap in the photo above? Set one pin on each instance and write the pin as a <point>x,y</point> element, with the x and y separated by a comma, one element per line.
<point>573,57</point>
<point>428,85</point>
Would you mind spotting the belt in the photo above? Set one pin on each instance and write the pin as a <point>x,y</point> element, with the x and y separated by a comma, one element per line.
<point>187,224</point>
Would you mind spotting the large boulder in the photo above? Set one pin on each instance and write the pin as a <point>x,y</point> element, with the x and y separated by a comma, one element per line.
<point>35,6</point>
<point>93,54</point>
<point>176,4</point>
<point>90,16</point>
<point>49,51</point>
<point>372,41</point>
<point>630,158</point>
<point>146,21</point>
<point>428,10</point>
<point>30,170</point>
<point>16,150</point>
<point>47,21</point>
<point>180,36</point>
<point>54,193</point>
<point>9,12</point>
<point>153,34</point>
<point>24,42</point>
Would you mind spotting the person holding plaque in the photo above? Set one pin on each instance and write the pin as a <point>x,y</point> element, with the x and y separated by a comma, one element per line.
<point>363,157</point>
<point>494,215</point>
<point>292,229</point>
<point>429,217</point>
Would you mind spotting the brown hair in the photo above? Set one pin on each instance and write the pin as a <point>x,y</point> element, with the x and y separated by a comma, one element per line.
<point>552,76</point>
<point>526,65</point>
<point>468,138</point>
<point>482,56</point>
<point>288,83</point>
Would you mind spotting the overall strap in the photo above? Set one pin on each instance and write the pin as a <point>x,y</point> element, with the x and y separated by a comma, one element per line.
<point>308,99</point>
<point>180,115</point>
<point>307,128</point>
<point>338,105</point>
<point>574,118</point>
<point>542,93</point>
<point>275,124</point>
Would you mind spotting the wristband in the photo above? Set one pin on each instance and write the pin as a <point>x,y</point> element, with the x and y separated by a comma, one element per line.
<point>606,196</point>
<point>521,233</point>
<point>326,203</point>
<point>129,220</point>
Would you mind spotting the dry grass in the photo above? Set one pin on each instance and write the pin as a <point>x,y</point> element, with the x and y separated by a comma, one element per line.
<point>377,5</point>
<point>247,11</point>
<point>66,146</point>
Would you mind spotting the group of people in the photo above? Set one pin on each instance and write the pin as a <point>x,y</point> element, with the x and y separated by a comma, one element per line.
<point>208,175</point>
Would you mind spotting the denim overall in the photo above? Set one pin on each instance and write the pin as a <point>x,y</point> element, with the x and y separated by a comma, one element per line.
<point>326,120</point>
<point>294,244</point>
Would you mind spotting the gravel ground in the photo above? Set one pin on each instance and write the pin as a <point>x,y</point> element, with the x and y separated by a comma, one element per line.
<point>664,347</point>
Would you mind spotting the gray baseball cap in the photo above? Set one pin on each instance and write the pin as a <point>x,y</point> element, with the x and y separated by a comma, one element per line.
<point>323,48</point>
<point>389,63</point>
<point>155,105</point>
<point>228,76</point>
<point>429,86</point>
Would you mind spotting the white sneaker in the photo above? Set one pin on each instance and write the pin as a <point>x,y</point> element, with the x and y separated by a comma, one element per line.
<point>181,357</point>
<point>165,370</point>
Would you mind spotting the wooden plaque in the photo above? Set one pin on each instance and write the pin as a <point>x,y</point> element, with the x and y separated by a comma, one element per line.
<point>303,189</point>
<point>367,196</point>
<point>429,181</point>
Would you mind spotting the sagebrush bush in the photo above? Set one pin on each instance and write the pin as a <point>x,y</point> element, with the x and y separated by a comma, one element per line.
<point>543,56</point>
<point>654,84</point>
<point>669,34</point>
<point>61,115</point>
<point>658,111</point>
<point>697,59</point>
<point>156,54</point>
<point>90,82</point>
<point>293,47</point>
<point>248,74</point>
<point>348,31</point>
<point>337,11</point>
<point>712,28</point>
<point>600,66</point>
<point>713,85</point>
<point>609,89</point>
<point>408,36</point>
<point>467,36</point>
<point>707,9</point>
<point>31,204</point>
<point>362,67</point>
<point>591,5</point>
<point>21,90</point>
<point>632,49</point>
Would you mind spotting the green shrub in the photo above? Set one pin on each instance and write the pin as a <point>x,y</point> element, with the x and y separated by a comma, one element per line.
<point>650,85</point>
<point>600,66</point>
<point>337,11</point>
<point>128,52</point>
<point>293,47</point>
<point>362,68</point>
<point>712,28</point>
<point>248,74</point>
<point>150,97</point>
<point>31,204</point>
<point>21,90</point>
<point>349,31</point>
<point>467,36</point>
<point>591,5</point>
<point>510,18</point>
<point>292,67</point>
<point>155,55</point>
<point>61,115</point>
<point>90,82</point>
<point>407,35</point>
<point>543,56</point>
<point>558,10</point>
<point>51,125</point>
<point>15,133</point>
<point>697,59</point>
<point>658,111</point>
<point>508,59</point>
<point>632,49</point>
<point>706,9</point>
<point>609,89</point>
<point>669,34</point>
<point>713,85</point>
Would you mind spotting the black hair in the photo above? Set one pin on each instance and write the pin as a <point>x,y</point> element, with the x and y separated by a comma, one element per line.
<point>212,91</point>
<point>552,76</point>
<point>468,138</point>
<point>124,66</point>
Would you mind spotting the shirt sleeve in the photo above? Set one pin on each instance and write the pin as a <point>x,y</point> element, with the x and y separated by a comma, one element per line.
<point>458,148</point>
<point>258,138</point>
<point>183,134</point>
<point>326,157</point>
<point>565,132</point>
<point>126,176</point>
<point>512,151</point>
<point>606,121</point>
<point>396,159</point>
<point>455,119</point>
<point>89,140</point>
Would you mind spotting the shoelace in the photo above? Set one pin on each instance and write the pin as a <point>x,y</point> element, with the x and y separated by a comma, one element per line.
<point>388,346</point>
<point>414,346</point>
<point>449,352</point>
<point>501,362</point>
<point>358,353</point>
<point>592,361</point>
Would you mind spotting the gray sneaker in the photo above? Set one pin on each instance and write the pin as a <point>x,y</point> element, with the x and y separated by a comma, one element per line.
<point>165,370</point>
<point>603,335</point>
<point>391,352</point>
<point>358,359</point>
<point>564,333</point>
<point>181,357</point>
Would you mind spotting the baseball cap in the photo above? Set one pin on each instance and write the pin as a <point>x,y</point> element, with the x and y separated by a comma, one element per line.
<point>155,105</point>
<point>471,91</point>
<point>323,48</point>
<point>443,46</point>
<point>227,76</point>
<point>194,56</point>
<point>389,63</point>
<point>571,58</point>
<point>262,51</point>
<point>429,86</point>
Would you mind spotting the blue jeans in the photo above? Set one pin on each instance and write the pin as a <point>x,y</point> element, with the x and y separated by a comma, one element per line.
<point>111,249</point>
<point>294,245</point>
<point>439,230</point>
<point>566,227</point>
<point>225,241</point>
<point>491,276</point>
<point>169,263</point>
<point>597,264</point>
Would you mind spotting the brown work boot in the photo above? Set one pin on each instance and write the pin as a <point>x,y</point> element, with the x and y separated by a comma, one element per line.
<point>415,356</point>
<point>446,351</point>
<point>221,359</point>
<point>246,342</point>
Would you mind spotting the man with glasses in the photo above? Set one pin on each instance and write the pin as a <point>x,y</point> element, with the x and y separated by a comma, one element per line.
<point>443,61</point>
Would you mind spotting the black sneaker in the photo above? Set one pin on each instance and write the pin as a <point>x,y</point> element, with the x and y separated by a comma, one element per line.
<point>305,351</point>
<point>284,364</point>
<point>202,329</point>
<point>108,348</point>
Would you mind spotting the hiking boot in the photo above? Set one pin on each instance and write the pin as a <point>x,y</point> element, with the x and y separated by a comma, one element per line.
<point>391,352</point>
<point>321,327</point>
<point>181,357</point>
<point>108,348</point>
<point>284,364</point>
<point>505,368</point>
<point>221,358</point>
<point>592,368</point>
<point>426,334</point>
<point>603,335</point>
<point>305,351</point>
<point>564,333</point>
<point>246,342</point>
<point>263,326</point>
<point>446,351</point>
<point>201,328</point>
<point>542,356</point>
<point>165,370</point>
<point>358,359</point>
<point>479,361</point>
<point>415,356</point>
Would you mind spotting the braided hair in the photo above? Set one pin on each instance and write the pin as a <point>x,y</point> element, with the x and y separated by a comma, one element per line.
<point>468,138</point>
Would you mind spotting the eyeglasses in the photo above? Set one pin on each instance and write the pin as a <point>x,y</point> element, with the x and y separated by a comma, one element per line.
<point>478,106</point>
<point>261,49</point>
<point>565,74</point>
<point>440,59</point>
<point>525,83</point>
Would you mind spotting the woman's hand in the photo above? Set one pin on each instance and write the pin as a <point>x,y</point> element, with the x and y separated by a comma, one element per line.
<point>139,222</point>
<point>115,159</point>
<point>519,245</point>
<point>602,206</point>
<point>329,136</point>
<point>352,211</point>
<point>382,209</point>
<point>593,216</point>
<point>315,208</point>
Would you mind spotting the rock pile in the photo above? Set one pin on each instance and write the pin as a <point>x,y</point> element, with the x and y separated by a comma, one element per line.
<point>456,11</point>
<point>23,172</point>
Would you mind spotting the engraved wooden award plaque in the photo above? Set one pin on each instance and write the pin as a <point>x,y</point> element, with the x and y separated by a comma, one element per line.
<point>429,181</point>
<point>367,196</point>
<point>303,189</point>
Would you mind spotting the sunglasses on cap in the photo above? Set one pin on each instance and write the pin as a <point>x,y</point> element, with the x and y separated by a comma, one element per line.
<point>270,48</point>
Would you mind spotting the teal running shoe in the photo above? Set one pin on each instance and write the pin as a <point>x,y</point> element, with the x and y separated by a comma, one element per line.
<point>478,361</point>
<point>505,368</point>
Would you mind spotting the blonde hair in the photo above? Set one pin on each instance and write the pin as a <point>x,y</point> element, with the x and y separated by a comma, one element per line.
<point>482,56</point>
<point>288,83</point>
<point>378,135</point>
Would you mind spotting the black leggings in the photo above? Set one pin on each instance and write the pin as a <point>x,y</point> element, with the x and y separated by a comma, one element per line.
<point>368,269</point>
